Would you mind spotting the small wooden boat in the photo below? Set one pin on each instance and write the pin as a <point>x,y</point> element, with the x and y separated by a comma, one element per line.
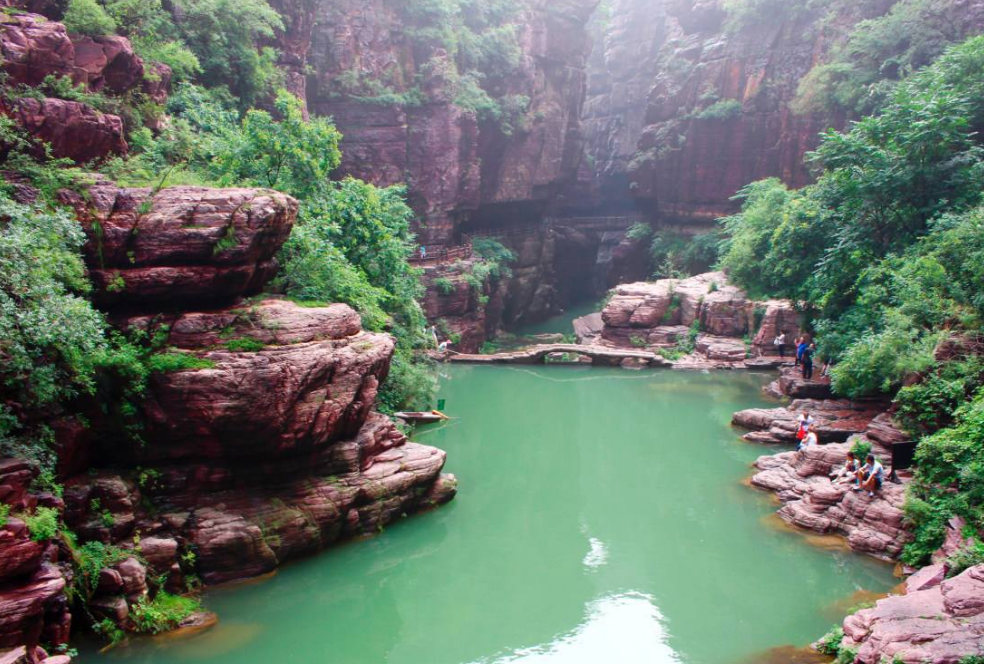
<point>423,417</point>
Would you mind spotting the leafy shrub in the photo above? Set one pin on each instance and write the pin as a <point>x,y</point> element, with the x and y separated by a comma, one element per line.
<point>965,558</point>
<point>861,449</point>
<point>830,643</point>
<point>109,630</point>
<point>638,342</point>
<point>163,613</point>
<point>929,405</point>
<point>4,513</point>
<point>948,482</point>
<point>244,345</point>
<point>725,109</point>
<point>172,361</point>
<point>877,363</point>
<point>89,560</point>
<point>864,68</point>
<point>42,524</point>
<point>680,255</point>
<point>87,17</point>
<point>444,285</point>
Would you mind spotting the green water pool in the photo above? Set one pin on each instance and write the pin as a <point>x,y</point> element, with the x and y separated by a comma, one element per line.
<point>601,519</point>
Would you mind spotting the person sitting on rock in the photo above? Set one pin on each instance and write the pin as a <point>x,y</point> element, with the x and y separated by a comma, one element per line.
<point>809,439</point>
<point>870,476</point>
<point>847,472</point>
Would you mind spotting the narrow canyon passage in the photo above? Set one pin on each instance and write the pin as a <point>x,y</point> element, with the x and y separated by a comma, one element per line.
<point>601,518</point>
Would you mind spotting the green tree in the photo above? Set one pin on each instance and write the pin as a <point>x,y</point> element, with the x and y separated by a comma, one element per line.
<point>87,17</point>
<point>224,35</point>
<point>291,154</point>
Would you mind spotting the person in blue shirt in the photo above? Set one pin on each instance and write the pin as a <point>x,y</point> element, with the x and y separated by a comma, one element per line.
<point>806,359</point>
<point>801,344</point>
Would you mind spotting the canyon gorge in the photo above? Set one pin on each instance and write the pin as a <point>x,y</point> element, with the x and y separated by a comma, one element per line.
<point>542,171</point>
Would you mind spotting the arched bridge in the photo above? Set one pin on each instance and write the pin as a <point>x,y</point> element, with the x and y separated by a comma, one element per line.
<point>600,355</point>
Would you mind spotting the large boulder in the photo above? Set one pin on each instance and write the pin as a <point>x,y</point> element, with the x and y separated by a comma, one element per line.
<point>181,244</point>
<point>34,47</point>
<point>282,379</point>
<point>73,130</point>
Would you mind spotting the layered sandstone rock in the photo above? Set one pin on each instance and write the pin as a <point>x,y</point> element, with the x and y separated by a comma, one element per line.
<point>181,244</point>
<point>455,164</point>
<point>462,313</point>
<point>33,606</point>
<point>872,525</point>
<point>801,479</point>
<point>835,420</point>
<point>34,47</point>
<point>72,130</point>
<point>665,312</point>
<point>937,622</point>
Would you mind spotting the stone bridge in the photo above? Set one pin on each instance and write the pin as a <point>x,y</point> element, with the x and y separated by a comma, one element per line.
<point>599,355</point>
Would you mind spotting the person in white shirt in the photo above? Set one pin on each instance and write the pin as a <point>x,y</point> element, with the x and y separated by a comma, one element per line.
<point>809,439</point>
<point>780,344</point>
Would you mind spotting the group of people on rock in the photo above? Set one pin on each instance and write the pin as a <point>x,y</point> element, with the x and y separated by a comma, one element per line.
<point>866,477</point>
<point>805,352</point>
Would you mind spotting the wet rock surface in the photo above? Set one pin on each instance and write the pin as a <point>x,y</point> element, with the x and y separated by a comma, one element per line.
<point>937,622</point>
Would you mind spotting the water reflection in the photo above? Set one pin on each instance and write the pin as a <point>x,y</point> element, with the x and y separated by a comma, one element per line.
<point>626,628</point>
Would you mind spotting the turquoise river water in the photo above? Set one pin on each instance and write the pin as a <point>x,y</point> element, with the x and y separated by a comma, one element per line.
<point>601,519</point>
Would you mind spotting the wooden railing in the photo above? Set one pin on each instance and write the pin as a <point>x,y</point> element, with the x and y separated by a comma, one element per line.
<point>440,254</point>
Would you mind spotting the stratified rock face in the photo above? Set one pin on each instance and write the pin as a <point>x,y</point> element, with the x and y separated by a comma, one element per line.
<point>940,622</point>
<point>74,131</point>
<point>662,313</point>
<point>33,607</point>
<point>181,244</point>
<point>311,380</point>
<point>453,165</point>
<point>460,312</point>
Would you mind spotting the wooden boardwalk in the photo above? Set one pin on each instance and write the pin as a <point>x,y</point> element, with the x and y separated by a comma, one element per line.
<point>600,355</point>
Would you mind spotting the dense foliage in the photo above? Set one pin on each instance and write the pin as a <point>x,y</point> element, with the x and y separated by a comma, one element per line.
<point>869,60</point>
<point>886,253</point>
<point>470,47</point>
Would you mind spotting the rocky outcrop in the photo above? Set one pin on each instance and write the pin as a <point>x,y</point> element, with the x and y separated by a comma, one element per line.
<point>72,130</point>
<point>455,164</point>
<point>34,47</point>
<point>717,315</point>
<point>463,313</point>
<point>791,383</point>
<point>180,244</point>
<point>801,479</point>
<point>33,606</point>
<point>872,525</point>
<point>281,378</point>
<point>835,420</point>
<point>936,622</point>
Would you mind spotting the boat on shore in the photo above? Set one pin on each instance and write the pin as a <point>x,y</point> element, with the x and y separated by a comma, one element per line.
<point>421,417</point>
